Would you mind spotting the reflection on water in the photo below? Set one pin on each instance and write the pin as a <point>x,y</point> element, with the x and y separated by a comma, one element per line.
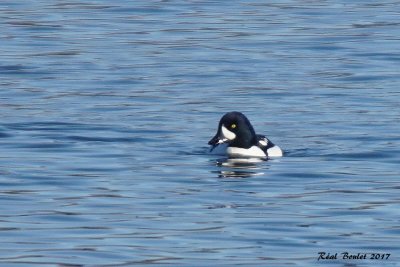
<point>239,167</point>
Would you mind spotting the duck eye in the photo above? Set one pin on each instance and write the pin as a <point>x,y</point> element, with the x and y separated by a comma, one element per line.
<point>233,126</point>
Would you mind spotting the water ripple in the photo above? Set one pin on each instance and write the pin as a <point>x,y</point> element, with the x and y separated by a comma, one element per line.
<point>107,109</point>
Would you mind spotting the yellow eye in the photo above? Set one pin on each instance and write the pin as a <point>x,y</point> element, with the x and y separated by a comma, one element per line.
<point>233,126</point>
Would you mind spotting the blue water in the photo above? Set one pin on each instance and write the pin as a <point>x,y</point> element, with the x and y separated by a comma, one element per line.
<point>107,107</point>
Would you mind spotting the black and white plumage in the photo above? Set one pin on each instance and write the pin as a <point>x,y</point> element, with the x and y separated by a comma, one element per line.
<point>236,138</point>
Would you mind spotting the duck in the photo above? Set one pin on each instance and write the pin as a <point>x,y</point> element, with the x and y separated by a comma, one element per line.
<point>237,138</point>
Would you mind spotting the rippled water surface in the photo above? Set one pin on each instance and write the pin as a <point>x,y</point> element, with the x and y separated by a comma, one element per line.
<point>107,106</point>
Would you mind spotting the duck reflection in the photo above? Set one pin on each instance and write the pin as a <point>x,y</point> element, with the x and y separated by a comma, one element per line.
<point>239,167</point>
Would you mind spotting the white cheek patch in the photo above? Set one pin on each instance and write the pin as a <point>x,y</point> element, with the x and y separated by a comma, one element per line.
<point>226,134</point>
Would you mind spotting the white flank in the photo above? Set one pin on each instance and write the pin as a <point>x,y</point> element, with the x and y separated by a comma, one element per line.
<point>275,151</point>
<point>226,134</point>
<point>253,151</point>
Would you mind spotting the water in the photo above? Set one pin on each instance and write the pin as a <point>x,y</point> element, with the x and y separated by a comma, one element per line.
<point>106,109</point>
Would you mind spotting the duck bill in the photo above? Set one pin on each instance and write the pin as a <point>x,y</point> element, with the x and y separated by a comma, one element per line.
<point>216,140</point>
<point>222,136</point>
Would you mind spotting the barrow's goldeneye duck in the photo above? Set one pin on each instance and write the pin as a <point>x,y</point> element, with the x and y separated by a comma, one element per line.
<point>237,138</point>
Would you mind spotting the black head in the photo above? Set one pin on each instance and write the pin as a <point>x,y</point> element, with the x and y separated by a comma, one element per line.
<point>234,128</point>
